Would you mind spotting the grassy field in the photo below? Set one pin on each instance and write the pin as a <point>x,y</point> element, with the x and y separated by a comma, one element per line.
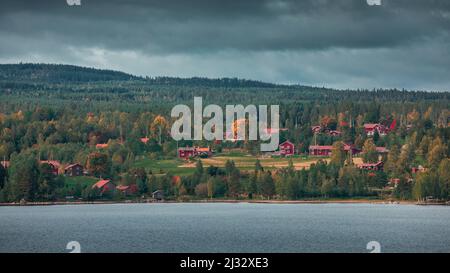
<point>85,181</point>
<point>242,161</point>
<point>163,166</point>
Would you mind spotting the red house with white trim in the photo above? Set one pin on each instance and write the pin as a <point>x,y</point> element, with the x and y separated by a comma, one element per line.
<point>371,128</point>
<point>186,152</point>
<point>320,150</point>
<point>287,148</point>
<point>325,150</point>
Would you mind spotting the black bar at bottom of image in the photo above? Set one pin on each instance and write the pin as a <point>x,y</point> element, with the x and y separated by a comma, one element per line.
<point>226,262</point>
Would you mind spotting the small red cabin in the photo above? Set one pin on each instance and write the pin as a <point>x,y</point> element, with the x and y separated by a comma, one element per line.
<point>73,170</point>
<point>319,150</point>
<point>187,152</point>
<point>287,148</point>
<point>104,185</point>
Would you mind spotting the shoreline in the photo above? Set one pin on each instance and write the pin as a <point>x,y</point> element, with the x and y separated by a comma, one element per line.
<point>231,201</point>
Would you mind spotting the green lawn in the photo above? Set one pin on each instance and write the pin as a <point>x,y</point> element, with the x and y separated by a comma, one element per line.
<point>86,181</point>
<point>163,166</point>
<point>243,162</point>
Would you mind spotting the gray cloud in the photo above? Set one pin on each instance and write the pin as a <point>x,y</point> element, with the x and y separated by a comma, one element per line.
<point>321,42</point>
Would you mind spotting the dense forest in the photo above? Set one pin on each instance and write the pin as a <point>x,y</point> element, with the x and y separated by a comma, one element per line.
<point>61,112</point>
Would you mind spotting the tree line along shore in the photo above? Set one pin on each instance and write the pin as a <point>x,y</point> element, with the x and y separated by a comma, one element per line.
<point>66,132</point>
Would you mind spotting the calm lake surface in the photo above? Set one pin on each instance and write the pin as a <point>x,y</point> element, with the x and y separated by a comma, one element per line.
<point>222,227</point>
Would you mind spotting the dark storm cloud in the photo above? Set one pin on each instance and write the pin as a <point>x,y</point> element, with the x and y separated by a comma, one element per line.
<point>184,26</point>
<point>224,34</point>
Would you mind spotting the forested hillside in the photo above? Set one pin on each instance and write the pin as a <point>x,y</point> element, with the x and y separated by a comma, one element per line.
<point>98,118</point>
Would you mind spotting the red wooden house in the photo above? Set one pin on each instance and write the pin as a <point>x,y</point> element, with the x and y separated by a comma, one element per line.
<point>104,186</point>
<point>287,148</point>
<point>372,166</point>
<point>320,150</point>
<point>188,152</point>
<point>325,150</point>
<point>371,128</point>
<point>74,170</point>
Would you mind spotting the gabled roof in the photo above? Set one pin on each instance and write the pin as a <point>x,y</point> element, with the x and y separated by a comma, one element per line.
<point>334,132</point>
<point>100,184</point>
<point>54,163</point>
<point>371,125</point>
<point>287,142</point>
<point>145,140</point>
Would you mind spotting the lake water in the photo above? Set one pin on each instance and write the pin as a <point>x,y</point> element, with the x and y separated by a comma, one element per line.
<point>240,227</point>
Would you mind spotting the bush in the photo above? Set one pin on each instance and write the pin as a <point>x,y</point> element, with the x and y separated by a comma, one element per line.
<point>201,190</point>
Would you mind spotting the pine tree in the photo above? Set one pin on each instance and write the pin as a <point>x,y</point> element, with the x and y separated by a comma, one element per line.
<point>444,178</point>
<point>267,184</point>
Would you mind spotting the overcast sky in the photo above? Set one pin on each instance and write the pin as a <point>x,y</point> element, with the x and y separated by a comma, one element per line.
<point>332,43</point>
